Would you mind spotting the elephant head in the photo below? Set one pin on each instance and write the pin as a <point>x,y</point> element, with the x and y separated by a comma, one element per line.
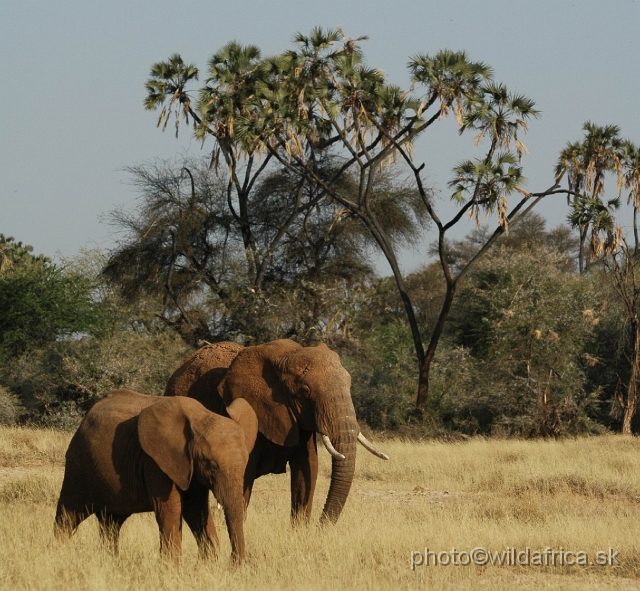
<point>189,442</point>
<point>293,388</point>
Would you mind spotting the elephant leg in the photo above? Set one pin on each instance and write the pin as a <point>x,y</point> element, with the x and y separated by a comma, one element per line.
<point>68,519</point>
<point>166,501</point>
<point>169,518</point>
<point>304,473</point>
<point>195,510</point>
<point>110,525</point>
<point>72,508</point>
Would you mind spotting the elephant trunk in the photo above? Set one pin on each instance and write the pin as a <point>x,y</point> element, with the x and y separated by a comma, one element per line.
<point>344,437</point>
<point>234,517</point>
<point>229,495</point>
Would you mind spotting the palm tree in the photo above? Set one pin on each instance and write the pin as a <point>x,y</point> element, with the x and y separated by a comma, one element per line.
<point>375,123</point>
<point>631,181</point>
<point>322,96</point>
<point>496,113</point>
<point>449,78</point>
<point>225,102</point>
<point>585,165</point>
<point>166,88</point>
<point>592,213</point>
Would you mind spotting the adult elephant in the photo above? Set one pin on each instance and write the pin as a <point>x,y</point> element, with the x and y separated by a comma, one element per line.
<point>295,392</point>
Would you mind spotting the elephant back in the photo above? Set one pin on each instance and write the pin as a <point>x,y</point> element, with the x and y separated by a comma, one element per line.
<point>199,375</point>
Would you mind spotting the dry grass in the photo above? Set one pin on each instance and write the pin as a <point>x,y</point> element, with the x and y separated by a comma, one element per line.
<point>580,495</point>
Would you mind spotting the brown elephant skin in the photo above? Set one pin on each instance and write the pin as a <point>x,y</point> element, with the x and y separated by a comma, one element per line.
<point>295,392</point>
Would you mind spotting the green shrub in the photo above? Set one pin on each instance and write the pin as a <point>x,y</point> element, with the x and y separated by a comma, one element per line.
<point>526,323</point>
<point>384,376</point>
<point>40,303</point>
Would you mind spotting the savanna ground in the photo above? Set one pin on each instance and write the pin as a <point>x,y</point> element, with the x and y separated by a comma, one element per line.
<point>576,494</point>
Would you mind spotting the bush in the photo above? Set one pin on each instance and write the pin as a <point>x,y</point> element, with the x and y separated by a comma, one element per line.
<point>515,359</point>
<point>526,324</point>
<point>383,369</point>
<point>10,408</point>
<point>59,383</point>
<point>41,303</point>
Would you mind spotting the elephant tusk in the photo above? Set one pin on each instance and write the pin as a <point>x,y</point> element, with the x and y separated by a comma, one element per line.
<point>332,450</point>
<point>367,445</point>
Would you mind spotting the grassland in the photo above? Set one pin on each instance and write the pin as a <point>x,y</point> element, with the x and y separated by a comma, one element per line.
<point>581,495</point>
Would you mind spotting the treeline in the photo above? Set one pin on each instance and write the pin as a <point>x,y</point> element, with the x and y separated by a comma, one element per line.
<point>532,346</point>
<point>518,329</point>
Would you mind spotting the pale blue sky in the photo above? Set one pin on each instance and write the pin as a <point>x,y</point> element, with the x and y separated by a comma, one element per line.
<point>72,115</point>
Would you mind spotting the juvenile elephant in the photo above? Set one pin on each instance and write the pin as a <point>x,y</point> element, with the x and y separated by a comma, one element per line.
<point>134,453</point>
<point>295,392</point>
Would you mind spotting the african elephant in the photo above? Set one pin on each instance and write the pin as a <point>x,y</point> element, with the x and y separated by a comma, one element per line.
<point>296,392</point>
<point>134,453</point>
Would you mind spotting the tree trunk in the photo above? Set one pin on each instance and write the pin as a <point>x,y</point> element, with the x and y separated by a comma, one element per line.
<point>425,365</point>
<point>583,238</point>
<point>385,245</point>
<point>636,246</point>
<point>632,388</point>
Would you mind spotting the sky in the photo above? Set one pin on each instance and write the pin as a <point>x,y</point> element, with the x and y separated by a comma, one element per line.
<point>72,120</point>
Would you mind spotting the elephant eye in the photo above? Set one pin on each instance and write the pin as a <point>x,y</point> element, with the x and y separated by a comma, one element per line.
<point>305,390</point>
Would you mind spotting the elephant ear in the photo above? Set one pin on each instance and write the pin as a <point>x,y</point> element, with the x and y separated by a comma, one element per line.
<point>256,375</point>
<point>242,413</point>
<point>165,434</point>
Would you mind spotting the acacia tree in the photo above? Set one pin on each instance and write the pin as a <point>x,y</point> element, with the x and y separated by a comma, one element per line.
<point>184,247</point>
<point>321,96</point>
<point>178,240</point>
